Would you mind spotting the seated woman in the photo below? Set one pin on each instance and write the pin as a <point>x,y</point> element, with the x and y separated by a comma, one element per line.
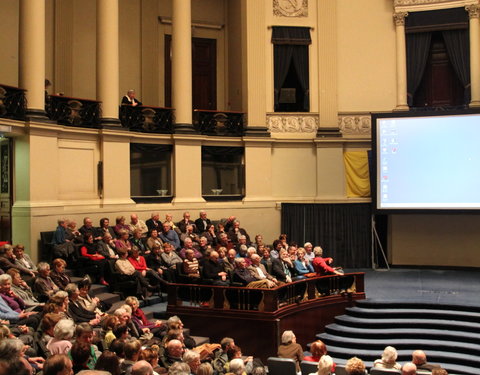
<point>140,265</point>
<point>76,310</point>
<point>388,360</point>
<point>302,265</point>
<point>23,259</point>
<point>94,261</point>
<point>137,240</point>
<point>319,350</point>
<point>325,366</point>
<point>108,324</point>
<point>44,287</point>
<point>322,265</point>
<point>154,239</point>
<point>21,289</point>
<point>120,225</point>
<point>122,242</point>
<point>140,320</point>
<point>58,305</point>
<point>290,349</point>
<point>87,302</point>
<point>58,275</point>
<point>63,333</point>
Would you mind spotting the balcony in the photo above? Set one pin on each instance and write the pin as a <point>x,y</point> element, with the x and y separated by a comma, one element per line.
<point>77,112</point>
<point>13,103</point>
<point>147,119</point>
<point>221,123</point>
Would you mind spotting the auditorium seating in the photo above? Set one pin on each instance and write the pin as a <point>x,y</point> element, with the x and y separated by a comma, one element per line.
<point>281,366</point>
<point>449,334</point>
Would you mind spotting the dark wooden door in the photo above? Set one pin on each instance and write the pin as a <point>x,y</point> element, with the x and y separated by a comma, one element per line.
<point>204,73</point>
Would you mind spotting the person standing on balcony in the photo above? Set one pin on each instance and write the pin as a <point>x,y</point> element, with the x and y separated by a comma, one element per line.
<point>130,99</point>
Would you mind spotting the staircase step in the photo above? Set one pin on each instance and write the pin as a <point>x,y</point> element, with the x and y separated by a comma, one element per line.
<point>407,323</point>
<point>377,304</point>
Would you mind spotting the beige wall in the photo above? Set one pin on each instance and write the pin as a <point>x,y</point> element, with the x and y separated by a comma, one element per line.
<point>9,42</point>
<point>366,56</point>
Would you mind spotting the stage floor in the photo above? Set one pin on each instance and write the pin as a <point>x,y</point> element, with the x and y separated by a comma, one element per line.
<point>423,285</point>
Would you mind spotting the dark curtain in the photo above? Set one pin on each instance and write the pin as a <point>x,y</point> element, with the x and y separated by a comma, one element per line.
<point>457,43</point>
<point>219,150</point>
<point>281,61</point>
<point>343,230</point>
<point>300,61</point>
<point>436,20</point>
<point>418,47</point>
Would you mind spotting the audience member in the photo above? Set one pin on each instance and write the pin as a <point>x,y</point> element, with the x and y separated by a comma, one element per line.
<point>44,287</point>
<point>170,236</point>
<point>235,232</point>
<point>153,222</point>
<point>58,274</point>
<point>58,364</point>
<point>290,349</point>
<point>409,369</point>
<point>355,366</point>
<point>213,270</point>
<point>130,99</point>
<point>202,222</point>
<point>104,229</point>
<point>388,360</point>
<point>94,261</point>
<point>182,224</point>
<point>321,265</point>
<point>109,361</point>
<point>137,224</point>
<point>419,358</point>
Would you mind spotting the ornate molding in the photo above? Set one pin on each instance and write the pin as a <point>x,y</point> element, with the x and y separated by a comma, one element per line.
<point>473,10</point>
<point>290,8</point>
<point>399,18</point>
<point>402,3</point>
<point>423,5</point>
<point>355,123</point>
<point>292,123</point>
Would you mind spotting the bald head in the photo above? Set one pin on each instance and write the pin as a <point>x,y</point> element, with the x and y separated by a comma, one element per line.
<point>419,357</point>
<point>409,369</point>
<point>142,368</point>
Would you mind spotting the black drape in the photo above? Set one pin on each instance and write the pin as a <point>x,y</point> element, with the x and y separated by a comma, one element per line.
<point>147,147</point>
<point>457,43</point>
<point>300,61</point>
<point>282,60</point>
<point>418,47</point>
<point>343,230</point>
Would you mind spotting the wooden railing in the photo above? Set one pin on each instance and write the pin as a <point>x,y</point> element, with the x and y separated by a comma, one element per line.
<point>225,123</point>
<point>264,300</point>
<point>70,111</point>
<point>147,119</point>
<point>13,103</point>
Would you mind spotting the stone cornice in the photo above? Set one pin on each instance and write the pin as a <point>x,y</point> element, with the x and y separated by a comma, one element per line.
<point>423,5</point>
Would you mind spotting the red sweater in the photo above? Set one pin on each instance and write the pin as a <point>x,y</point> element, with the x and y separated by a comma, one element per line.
<point>139,264</point>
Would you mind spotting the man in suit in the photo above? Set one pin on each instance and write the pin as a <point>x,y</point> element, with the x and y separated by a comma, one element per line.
<point>259,271</point>
<point>130,99</point>
<point>202,222</point>
<point>182,224</point>
<point>283,268</point>
<point>154,222</point>
<point>419,359</point>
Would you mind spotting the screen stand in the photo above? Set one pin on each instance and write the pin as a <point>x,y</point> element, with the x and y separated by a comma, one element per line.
<point>377,247</point>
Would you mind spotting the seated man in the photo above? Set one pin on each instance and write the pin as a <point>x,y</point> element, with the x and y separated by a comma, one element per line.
<point>202,222</point>
<point>409,369</point>
<point>419,359</point>
<point>190,234</point>
<point>242,241</point>
<point>223,241</point>
<point>88,228</point>
<point>169,256</point>
<point>130,99</point>
<point>213,270</point>
<point>173,353</point>
<point>235,232</point>
<point>283,268</point>
<point>154,222</point>
<point>169,235</point>
<point>243,276</point>
<point>321,265</point>
<point>259,271</point>
<point>7,261</point>
<point>182,225</point>
<point>136,223</point>
<point>229,261</point>
<point>78,313</point>
<point>188,245</point>
<point>190,265</point>
<point>62,246</point>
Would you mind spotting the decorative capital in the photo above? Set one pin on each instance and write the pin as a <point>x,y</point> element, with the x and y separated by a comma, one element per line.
<point>473,10</point>
<point>399,18</point>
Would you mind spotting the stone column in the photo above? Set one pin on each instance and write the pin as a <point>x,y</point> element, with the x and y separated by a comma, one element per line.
<point>32,55</point>
<point>107,60</point>
<point>401,61</point>
<point>182,65</point>
<point>474,13</point>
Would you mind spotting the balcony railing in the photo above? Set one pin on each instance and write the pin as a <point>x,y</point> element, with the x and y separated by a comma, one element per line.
<point>265,300</point>
<point>147,119</point>
<point>219,123</point>
<point>70,111</point>
<point>12,102</point>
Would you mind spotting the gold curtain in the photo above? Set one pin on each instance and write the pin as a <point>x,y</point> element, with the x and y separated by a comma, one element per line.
<point>357,174</point>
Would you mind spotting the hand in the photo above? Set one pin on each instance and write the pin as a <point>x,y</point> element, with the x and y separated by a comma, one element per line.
<point>94,322</point>
<point>158,323</point>
<point>36,360</point>
<point>146,330</point>
<point>23,329</point>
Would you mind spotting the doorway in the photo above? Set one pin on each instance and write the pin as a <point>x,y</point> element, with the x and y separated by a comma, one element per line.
<point>6,194</point>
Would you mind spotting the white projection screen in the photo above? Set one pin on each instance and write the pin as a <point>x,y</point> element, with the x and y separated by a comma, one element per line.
<point>426,161</point>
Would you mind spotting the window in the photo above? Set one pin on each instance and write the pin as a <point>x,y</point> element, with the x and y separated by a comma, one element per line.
<point>291,69</point>
<point>150,172</point>
<point>223,173</point>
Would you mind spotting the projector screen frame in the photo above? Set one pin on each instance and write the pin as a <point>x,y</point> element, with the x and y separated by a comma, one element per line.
<point>374,180</point>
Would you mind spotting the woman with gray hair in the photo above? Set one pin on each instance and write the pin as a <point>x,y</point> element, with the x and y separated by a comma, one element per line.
<point>76,310</point>
<point>388,360</point>
<point>290,349</point>
<point>63,333</point>
<point>44,287</point>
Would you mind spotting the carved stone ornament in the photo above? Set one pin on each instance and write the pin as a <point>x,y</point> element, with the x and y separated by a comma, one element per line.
<point>398,3</point>
<point>473,10</point>
<point>355,124</point>
<point>290,8</point>
<point>399,18</point>
<point>286,123</point>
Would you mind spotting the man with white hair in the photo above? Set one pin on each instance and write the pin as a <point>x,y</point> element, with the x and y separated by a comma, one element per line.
<point>192,359</point>
<point>136,223</point>
<point>130,99</point>
<point>202,222</point>
<point>154,222</point>
<point>142,368</point>
<point>258,270</point>
<point>237,366</point>
<point>243,276</point>
<point>173,353</point>
<point>213,270</point>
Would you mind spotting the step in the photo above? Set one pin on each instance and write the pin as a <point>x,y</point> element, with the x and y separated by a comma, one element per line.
<point>398,313</point>
<point>377,304</point>
<point>108,297</point>
<point>407,323</point>
<point>199,340</point>
<point>410,344</point>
